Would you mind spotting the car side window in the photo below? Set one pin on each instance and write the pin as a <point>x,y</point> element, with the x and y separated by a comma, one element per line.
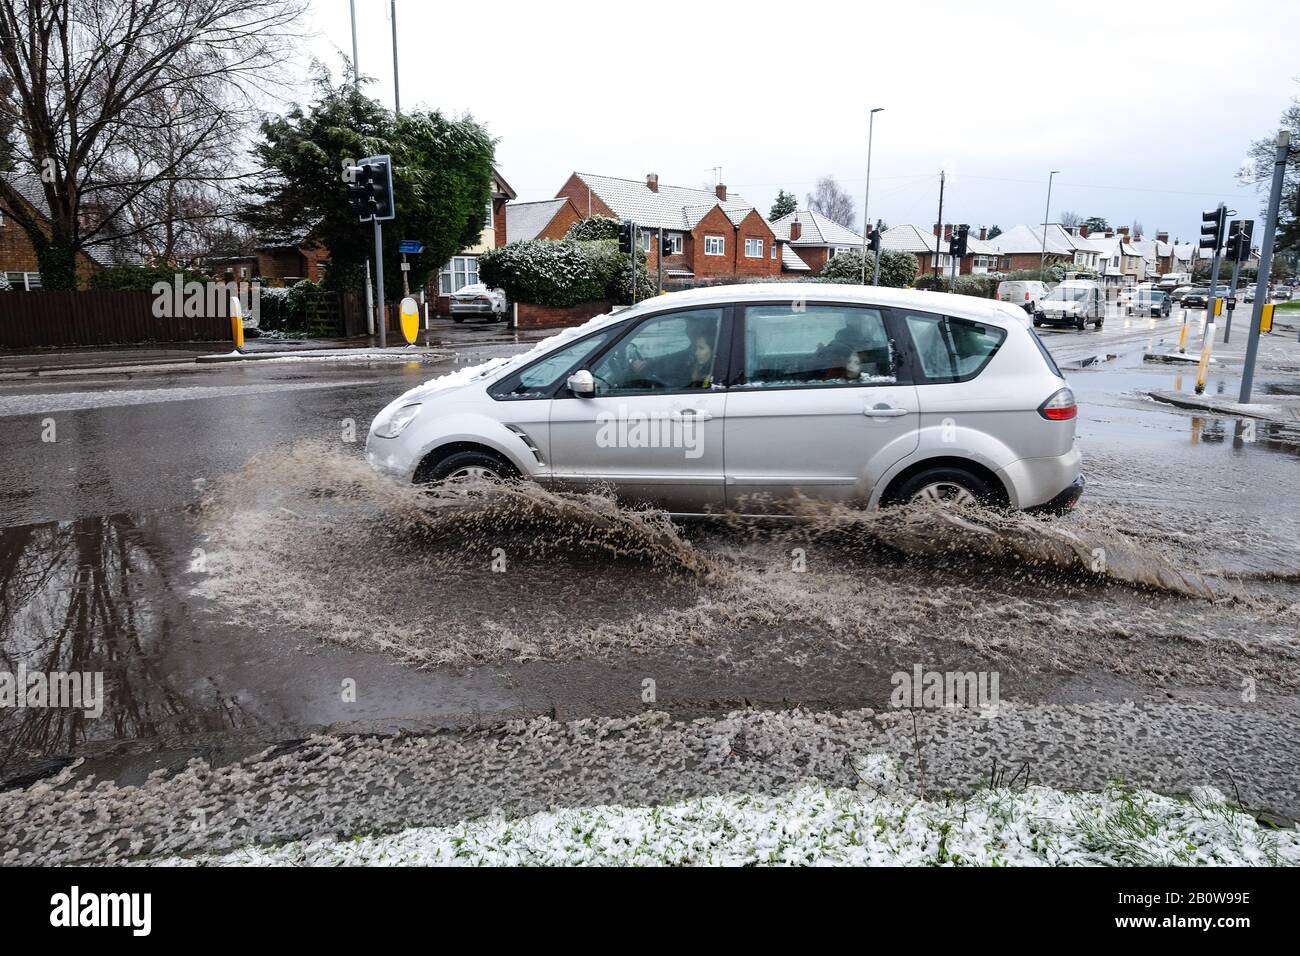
<point>665,353</point>
<point>540,379</point>
<point>949,349</point>
<point>816,346</point>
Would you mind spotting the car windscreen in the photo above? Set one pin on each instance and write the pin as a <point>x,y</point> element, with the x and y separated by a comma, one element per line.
<point>1063,294</point>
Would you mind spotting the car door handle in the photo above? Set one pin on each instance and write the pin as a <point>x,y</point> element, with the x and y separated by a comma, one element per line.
<point>697,414</point>
<point>884,411</point>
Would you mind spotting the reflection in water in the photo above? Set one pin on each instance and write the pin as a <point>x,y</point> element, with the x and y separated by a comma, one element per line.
<point>93,594</point>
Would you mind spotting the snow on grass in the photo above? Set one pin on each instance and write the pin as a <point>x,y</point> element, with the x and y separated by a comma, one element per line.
<point>816,826</point>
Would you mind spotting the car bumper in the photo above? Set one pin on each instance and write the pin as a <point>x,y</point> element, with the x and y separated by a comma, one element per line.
<point>1041,483</point>
<point>1063,502</point>
<point>472,308</point>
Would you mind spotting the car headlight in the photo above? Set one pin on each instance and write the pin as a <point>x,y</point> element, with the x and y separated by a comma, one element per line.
<point>398,420</point>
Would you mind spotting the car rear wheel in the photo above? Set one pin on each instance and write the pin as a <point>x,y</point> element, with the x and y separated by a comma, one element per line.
<point>469,466</point>
<point>1080,323</point>
<point>950,487</point>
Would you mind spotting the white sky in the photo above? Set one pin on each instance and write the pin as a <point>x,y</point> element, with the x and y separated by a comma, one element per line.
<point>1115,95</point>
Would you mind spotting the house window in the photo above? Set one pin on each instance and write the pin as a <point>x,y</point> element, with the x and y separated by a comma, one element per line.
<point>675,243</point>
<point>839,251</point>
<point>774,250</point>
<point>26,281</point>
<point>715,246</point>
<point>458,273</point>
<point>643,239</point>
<point>753,248</point>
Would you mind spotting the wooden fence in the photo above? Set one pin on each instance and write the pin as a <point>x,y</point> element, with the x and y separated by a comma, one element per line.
<point>37,319</point>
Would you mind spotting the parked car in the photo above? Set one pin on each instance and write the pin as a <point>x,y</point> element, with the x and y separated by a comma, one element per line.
<point>1075,303</point>
<point>1196,298</point>
<point>1150,302</point>
<point>858,394</point>
<point>478,300</point>
<point>1022,293</point>
<point>1281,294</point>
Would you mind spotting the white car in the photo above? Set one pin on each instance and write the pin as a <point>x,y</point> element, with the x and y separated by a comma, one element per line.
<point>477,300</point>
<point>743,397</point>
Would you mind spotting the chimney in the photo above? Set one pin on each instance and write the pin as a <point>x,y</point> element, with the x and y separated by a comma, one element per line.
<point>721,192</point>
<point>936,229</point>
<point>1162,237</point>
<point>947,230</point>
<point>652,181</point>
<point>1083,232</point>
<point>1110,234</point>
<point>796,230</point>
<point>984,233</point>
<point>1123,231</point>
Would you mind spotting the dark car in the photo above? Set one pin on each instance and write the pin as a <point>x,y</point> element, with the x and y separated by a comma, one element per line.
<point>1196,299</point>
<point>1152,303</point>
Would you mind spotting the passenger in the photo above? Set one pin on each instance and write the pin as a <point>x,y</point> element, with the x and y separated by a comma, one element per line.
<point>701,369</point>
<point>842,365</point>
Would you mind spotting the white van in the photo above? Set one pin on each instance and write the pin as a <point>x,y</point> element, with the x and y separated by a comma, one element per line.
<point>1024,293</point>
<point>1076,302</point>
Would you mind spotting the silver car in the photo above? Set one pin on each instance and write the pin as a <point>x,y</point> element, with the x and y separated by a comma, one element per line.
<point>739,398</point>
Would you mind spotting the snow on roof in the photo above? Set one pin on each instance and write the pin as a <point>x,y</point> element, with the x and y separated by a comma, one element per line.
<point>907,237</point>
<point>790,260</point>
<point>526,220</point>
<point>1022,240</point>
<point>815,230</point>
<point>665,209</point>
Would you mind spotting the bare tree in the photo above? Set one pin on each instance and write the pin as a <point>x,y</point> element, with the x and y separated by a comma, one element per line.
<point>833,202</point>
<point>116,112</point>
<point>1070,219</point>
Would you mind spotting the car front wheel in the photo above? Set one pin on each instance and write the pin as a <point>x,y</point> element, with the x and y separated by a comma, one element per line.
<point>468,466</point>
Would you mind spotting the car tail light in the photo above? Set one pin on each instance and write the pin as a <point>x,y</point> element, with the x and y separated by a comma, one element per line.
<point>1060,407</point>
<point>1026,295</point>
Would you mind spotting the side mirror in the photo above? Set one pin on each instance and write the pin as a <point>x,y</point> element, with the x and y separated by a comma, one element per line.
<point>582,383</point>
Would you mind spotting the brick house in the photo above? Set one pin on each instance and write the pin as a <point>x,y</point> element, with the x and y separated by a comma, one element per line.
<point>548,219</point>
<point>813,240</point>
<point>275,264</point>
<point>462,269</point>
<point>1023,247</point>
<point>18,262</point>
<point>715,234</point>
<point>931,249</point>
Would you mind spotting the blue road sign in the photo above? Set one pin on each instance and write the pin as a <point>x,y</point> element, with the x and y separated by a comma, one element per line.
<point>410,246</point>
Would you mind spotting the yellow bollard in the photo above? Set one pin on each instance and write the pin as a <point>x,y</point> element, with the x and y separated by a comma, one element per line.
<point>237,323</point>
<point>1182,334</point>
<point>1207,346</point>
<point>1266,318</point>
<point>410,320</point>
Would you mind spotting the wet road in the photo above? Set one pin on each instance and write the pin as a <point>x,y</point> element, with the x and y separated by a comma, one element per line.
<point>230,602</point>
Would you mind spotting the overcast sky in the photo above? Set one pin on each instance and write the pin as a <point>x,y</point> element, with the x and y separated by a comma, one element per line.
<point>1118,97</point>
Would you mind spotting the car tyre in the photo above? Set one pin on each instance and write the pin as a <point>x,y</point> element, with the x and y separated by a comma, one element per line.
<point>1080,323</point>
<point>467,465</point>
<point>458,319</point>
<point>948,484</point>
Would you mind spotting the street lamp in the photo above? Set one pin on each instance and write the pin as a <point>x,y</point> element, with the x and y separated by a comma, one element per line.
<point>866,198</point>
<point>1047,214</point>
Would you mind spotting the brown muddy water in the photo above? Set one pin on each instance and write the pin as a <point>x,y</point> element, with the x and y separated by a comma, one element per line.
<point>305,591</point>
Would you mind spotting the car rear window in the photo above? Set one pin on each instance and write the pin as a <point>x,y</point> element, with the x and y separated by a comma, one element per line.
<point>952,350</point>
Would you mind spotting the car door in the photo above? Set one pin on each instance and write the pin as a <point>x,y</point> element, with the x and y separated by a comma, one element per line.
<point>815,404</point>
<point>654,428</point>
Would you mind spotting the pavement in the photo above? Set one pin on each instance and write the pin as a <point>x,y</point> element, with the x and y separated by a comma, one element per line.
<point>318,605</point>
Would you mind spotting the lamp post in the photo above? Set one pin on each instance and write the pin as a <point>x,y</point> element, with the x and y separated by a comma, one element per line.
<point>1047,214</point>
<point>866,197</point>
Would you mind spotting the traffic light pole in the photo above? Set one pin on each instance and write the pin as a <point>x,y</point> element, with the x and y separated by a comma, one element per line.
<point>1232,297</point>
<point>382,318</point>
<point>875,273</point>
<point>1265,264</point>
<point>659,289</point>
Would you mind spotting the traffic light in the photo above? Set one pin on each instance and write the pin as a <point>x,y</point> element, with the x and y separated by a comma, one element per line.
<point>873,240</point>
<point>957,242</point>
<point>1212,223</point>
<point>626,232</point>
<point>665,245</point>
<point>370,188</point>
<point>1239,238</point>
